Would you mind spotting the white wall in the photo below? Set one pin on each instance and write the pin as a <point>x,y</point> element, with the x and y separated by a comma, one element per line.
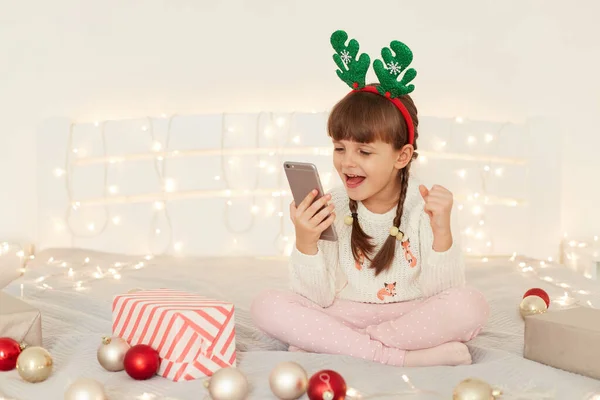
<point>110,59</point>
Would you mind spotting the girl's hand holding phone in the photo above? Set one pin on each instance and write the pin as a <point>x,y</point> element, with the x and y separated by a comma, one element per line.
<point>310,219</point>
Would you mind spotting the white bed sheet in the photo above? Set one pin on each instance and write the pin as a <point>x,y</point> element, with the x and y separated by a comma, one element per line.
<point>74,321</point>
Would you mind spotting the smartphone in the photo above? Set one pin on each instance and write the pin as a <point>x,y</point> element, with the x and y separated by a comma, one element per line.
<point>303,178</point>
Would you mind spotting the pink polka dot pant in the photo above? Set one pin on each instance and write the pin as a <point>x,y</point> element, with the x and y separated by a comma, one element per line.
<point>376,332</point>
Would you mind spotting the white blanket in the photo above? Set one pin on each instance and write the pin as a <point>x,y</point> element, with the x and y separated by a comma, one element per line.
<point>74,321</point>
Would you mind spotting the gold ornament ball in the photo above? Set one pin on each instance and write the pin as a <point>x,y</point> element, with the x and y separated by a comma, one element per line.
<point>228,384</point>
<point>348,220</point>
<point>474,389</point>
<point>85,389</point>
<point>288,381</point>
<point>34,364</point>
<point>111,353</point>
<point>532,305</point>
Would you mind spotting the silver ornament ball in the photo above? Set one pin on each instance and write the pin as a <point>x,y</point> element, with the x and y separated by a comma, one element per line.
<point>288,381</point>
<point>86,389</point>
<point>111,353</point>
<point>34,364</point>
<point>228,384</point>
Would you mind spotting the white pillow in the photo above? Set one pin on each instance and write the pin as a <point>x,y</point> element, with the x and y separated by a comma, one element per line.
<point>10,268</point>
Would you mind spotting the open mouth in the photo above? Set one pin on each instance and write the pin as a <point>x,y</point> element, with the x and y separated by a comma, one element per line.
<point>353,181</point>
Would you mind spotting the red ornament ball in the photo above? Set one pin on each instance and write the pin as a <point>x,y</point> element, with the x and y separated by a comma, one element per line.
<point>141,362</point>
<point>9,352</point>
<point>326,385</point>
<point>540,293</point>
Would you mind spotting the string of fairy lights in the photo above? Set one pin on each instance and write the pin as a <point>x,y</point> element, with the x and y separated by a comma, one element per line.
<point>479,240</point>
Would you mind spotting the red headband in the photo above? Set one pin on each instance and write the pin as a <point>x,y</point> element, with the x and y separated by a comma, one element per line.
<point>400,106</point>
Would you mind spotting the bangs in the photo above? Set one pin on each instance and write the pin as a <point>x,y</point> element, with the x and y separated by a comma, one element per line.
<point>365,118</point>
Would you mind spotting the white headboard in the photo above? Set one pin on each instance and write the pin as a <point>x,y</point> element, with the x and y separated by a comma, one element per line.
<point>212,185</point>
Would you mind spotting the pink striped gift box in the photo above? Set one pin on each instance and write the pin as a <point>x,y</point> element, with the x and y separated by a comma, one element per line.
<point>194,335</point>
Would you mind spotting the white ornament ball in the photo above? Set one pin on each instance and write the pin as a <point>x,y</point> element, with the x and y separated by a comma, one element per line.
<point>228,384</point>
<point>35,364</point>
<point>288,381</point>
<point>85,389</point>
<point>111,353</point>
<point>474,389</point>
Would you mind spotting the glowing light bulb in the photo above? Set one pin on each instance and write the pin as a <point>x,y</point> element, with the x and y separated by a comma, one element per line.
<point>477,210</point>
<point>91,227</point>
<point>489,137</point>
<point>498,171</point>
<point>178,246</point>
<point>296,139</point>
<point>486,168</point>
<point>169,185</point>
<point>229,202</point>
<point>254,209</point>
<point>157,231</point>
<point>58,172</point>
<point>271,169</point>
<point>116,220</point>
<point>270,209</point>
<point>113,189</point>
<point>262,164</point>
<point>423,159</point>
<point>280,122</point>
<point>462,173</point>
<point>459,120</point>
<point>217,178</point>
<point>144,128</point>
<point>156,146</point>
<point>159,205</point>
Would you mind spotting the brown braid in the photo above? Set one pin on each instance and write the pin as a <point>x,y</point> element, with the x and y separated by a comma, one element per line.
<point>359,240</point>
<point>385,256</point>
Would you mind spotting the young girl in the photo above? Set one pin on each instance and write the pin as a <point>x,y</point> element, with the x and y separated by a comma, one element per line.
<point>392,288</point>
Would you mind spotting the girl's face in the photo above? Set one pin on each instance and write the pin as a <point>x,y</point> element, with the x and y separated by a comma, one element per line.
<point>370,170</point>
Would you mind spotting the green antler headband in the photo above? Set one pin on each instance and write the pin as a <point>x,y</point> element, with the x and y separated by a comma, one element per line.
<point>353,71</point>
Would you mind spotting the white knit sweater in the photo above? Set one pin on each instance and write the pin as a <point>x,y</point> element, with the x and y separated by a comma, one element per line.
<point>333,273</point>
